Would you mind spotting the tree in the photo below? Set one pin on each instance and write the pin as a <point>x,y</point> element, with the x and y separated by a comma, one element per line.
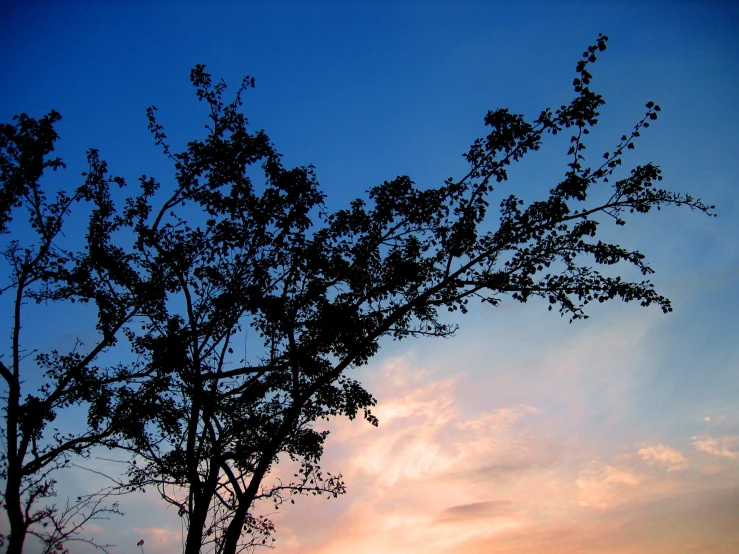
<point>321,290</point>
<point>43,269</point>
<point>241,255</point>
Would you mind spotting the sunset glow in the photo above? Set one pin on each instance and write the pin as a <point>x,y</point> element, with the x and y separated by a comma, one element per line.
<point>522,434</point>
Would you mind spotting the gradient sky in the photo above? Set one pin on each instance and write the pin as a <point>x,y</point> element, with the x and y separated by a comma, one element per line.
<point>523,434</point>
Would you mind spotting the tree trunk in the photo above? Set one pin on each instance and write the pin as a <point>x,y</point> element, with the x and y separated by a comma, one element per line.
<point>235,528</point>
<point>16,540</point>
<point>201,508</point>
<point>195,528</point>
<point>15,452</point>
<point>15,512</point>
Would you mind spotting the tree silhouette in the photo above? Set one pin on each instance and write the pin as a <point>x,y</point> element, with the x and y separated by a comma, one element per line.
<point>42,271</point>
<point>242,256</point>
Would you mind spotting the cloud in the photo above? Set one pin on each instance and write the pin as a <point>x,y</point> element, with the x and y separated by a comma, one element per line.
<point>663,456</point>
<point>720,447</point>
<point>424,435</point>
<point>477,510</point>
<point>604,487</point>
<point>430,476</point>
<point>625,483</point>
<point>448,470</point>
<point>160,538</point>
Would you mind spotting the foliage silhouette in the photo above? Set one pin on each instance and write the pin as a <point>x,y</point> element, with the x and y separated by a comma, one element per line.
<point>244,247</point>
<point>41,271</point>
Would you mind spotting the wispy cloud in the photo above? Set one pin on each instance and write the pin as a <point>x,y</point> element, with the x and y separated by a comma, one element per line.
<point>723,447</point>
<point>439,478</point>
<point>663,456</point>
<point>532,457</point>
<point>160,539</point>
<point>603,487</point>
<point>477,510</point>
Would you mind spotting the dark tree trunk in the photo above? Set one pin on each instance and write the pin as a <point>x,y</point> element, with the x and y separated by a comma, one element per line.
<point>14,510</point>
<point>196,525</point>
<point>201,506</point>
<point>15,452</point>
<point>235,528</point>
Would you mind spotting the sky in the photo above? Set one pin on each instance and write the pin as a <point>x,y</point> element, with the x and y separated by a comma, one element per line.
<point>523,433</point>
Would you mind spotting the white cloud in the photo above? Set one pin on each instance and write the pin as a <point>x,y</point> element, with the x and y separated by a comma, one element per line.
<point>663,456</point>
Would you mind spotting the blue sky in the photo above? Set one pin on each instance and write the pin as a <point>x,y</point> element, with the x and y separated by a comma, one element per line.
<point>523,428</point>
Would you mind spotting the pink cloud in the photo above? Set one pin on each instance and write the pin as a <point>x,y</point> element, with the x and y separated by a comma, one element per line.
<point>721,447</point>
<point>606,486</point>
<point>425,472</point>
<point>160,539</point>
<point>663,456</point>
<point>435,478</point>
